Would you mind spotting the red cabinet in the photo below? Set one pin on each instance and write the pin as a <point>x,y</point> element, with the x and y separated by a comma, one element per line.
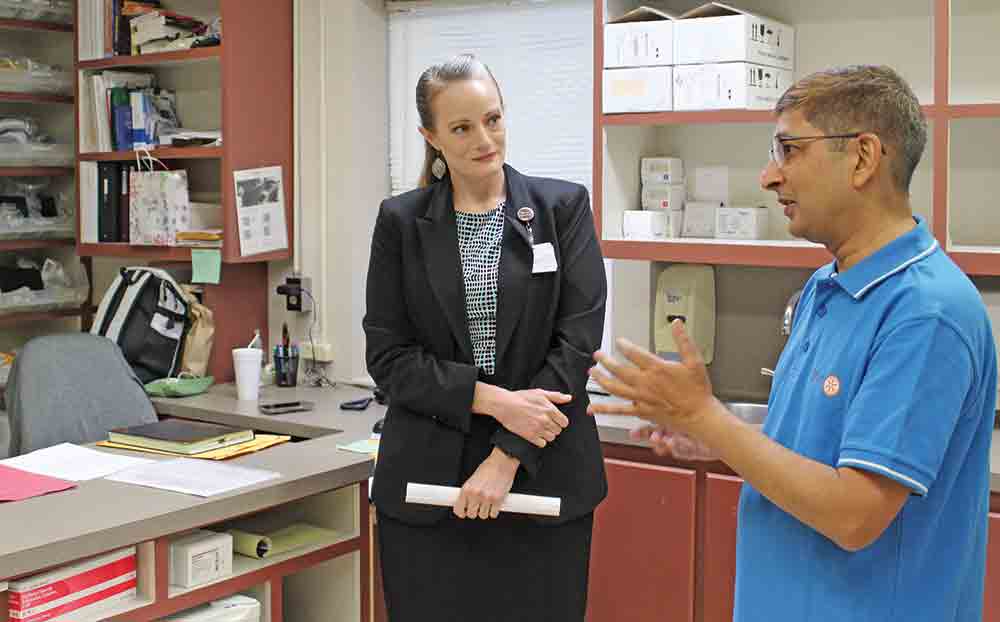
<point>722,496</point>
<point>642,554</point>
<point>991,606</point>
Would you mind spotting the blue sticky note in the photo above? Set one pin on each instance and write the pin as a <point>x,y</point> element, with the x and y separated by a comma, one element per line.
<point>206,264</point>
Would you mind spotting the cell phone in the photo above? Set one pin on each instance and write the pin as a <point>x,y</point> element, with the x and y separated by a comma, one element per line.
<point>356,404</point>
<point>277,408</point>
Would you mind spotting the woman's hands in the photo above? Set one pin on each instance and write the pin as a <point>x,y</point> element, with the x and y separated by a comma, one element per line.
<point>484,492</point>
<point>530,413</point>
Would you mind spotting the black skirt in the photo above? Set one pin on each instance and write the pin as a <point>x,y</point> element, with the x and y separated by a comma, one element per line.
<point>509,569</point>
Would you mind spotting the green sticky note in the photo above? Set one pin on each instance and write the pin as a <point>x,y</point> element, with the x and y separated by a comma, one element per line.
<point>206,264</point>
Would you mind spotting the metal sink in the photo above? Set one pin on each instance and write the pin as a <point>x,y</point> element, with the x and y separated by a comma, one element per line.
<point>749,412</point>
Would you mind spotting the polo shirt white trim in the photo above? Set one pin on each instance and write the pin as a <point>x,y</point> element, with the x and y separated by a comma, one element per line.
<point>902,266</point>
<point>886,470</point>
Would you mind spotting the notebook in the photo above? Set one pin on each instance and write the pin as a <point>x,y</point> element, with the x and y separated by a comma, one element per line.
<point>180,436</point>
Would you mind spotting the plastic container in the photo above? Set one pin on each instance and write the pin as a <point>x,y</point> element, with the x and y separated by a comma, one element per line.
<point>36,154</point>
<point>53,11</point>
<point>24,75</point>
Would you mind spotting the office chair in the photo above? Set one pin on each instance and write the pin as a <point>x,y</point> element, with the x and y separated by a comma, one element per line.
<point>71,388</point>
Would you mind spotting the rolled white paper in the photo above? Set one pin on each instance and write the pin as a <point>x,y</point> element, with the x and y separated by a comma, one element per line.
<point>429,494</point>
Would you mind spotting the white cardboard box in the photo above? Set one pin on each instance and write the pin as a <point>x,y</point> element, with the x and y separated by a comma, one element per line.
<point>741,222</point>
<point>699,219</point>
<point>729,85</point>
<point>663,196</point>
<point>641,89</point>
<point>711,183</point>
<point>643,37</point>
<point>661,170</point>
<point>235,608</point>
<point>199,557</point>
<point>651,225</point>
<point>720,33</point>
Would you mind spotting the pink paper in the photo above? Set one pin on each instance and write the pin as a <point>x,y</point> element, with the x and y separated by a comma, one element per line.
<point>16,484</point>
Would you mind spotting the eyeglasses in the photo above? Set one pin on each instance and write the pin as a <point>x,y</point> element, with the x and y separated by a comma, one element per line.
<point>778,146</point>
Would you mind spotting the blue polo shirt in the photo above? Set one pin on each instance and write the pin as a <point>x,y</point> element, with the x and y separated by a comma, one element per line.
<point>890,368</point>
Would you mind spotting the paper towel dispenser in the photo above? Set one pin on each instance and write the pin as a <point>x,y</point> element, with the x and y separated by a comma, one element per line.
<point>686,292</point>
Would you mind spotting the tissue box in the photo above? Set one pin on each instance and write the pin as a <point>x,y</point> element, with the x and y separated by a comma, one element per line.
<point>699,219</point>
<point>652,225</point>
<point>663,196</point>
<point>199,557</point>
<point>661,170</point>
<point>716,33</point>
<point>729,85</point>
<point>643,89</point>
<point>741,223</point>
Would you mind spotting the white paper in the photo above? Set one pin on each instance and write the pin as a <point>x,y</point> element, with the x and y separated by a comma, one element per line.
<point>260,210</point>
<point>204,478</point>
<point>545,258</point>
<point>72,462</point>
<point>429,494</point>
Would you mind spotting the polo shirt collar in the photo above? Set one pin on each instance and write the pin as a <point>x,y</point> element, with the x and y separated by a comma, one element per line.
<point>894,257</point>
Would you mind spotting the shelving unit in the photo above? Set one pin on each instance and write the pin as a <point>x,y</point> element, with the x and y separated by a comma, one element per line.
<point>943,69</point>
<point>243,87</point>
<point>50,40</point>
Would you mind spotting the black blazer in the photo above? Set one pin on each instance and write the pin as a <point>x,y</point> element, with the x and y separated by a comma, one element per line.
<point>420,352</point>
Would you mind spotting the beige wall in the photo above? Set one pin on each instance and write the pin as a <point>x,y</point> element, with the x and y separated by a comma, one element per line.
<point>342,169</point>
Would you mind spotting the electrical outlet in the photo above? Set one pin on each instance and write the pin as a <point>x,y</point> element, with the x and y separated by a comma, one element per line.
<point>324,351</point>
<point>296,300</point>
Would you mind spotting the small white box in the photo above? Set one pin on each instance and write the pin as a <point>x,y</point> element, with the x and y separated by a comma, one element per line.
<point>643,89</point>
<point>199,557</point>
<point>741,223</point>
<point>699,219</point>
<point>661,170</point>
<point>663,196</point>
<point>711,183</point>
<point>729,85</point>
<point>719,33</point>
<point>651,225</point>
<point>643,37</point>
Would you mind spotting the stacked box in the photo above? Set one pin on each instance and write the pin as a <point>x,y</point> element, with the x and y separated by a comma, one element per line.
<point>92,583</point>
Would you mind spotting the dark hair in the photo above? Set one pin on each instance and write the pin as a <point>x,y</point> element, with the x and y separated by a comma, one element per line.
<point>864,98</point>
<point>432,81</point>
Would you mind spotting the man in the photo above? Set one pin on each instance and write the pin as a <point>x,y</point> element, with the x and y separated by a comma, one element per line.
<point>867,490</point>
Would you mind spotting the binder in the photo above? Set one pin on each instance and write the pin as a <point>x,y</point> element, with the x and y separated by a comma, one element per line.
<point>108,197</point>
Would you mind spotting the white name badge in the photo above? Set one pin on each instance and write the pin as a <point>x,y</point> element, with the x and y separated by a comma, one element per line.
<point>545,258</point>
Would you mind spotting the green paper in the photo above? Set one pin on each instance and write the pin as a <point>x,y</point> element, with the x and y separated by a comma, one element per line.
<point>206,264</point>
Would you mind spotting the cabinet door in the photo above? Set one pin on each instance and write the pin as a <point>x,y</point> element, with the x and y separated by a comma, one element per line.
<point>642,555</point>
<point>991,606</point>
<point>722,497</point>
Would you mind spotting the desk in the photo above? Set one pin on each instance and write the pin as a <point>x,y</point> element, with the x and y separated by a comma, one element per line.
<point>319,483</point>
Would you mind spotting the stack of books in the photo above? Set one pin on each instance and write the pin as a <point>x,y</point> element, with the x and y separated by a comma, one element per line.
<point>180,436</point>
<point>161,31</point>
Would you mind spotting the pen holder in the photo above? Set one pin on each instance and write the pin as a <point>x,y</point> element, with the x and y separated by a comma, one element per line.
<point>286,370</point>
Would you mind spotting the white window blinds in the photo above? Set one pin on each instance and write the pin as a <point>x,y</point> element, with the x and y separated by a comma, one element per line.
<point>541,54</point>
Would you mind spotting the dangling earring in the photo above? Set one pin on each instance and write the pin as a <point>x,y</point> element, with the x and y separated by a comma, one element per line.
<point>438,167</point>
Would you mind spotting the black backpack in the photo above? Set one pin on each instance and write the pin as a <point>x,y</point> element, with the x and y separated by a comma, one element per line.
<point>145,313</point>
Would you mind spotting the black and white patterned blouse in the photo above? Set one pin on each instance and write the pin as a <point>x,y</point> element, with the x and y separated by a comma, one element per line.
<point>479,240</point>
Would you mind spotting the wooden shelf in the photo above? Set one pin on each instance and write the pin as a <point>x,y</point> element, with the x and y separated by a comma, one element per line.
<point>21,24</point>
<point>17,245</point>
<point>10,319</point>
<point>36,98</point>
<point>164,153</point>
<point>180,57</point>
<point>974,111</point>
<point>35,171</point>
<point>792,254</point>
<point>124,250</point>
<point>710,117</point>
<point>688,117</point>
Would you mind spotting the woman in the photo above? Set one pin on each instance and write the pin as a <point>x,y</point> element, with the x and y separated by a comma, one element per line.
<point>485,298</point>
